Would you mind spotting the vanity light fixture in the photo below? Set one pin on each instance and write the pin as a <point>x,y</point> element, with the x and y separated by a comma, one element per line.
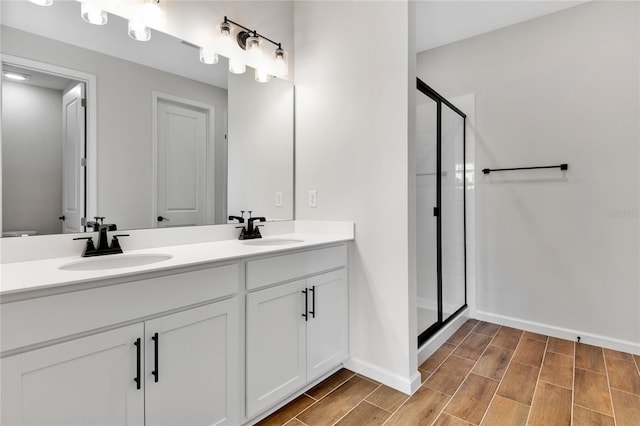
<point>252,52</point>
<point>42,2</point>
<point>92,12</point>
<point>150,14</point>
<point>208,56</point>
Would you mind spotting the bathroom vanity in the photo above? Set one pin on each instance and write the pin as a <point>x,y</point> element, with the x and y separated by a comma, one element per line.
<point>215,333</point>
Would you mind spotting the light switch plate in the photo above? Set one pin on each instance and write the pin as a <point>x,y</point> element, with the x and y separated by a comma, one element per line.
<point>313,198</point>
<point>279,199</point>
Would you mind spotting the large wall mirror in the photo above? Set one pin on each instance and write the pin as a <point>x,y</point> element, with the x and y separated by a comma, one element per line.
<point>142,133</point>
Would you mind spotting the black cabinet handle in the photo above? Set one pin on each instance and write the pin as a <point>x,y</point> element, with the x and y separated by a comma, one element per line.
<point>313,301</point>
<point>161,218</point>
<point>62,218</point>
<point>306,305</point>
<point>156,372</point>
<point>138,363</point>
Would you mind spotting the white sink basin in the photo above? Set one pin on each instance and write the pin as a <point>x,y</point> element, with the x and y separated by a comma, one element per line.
<point>272,241</point>
<point>115,261</point>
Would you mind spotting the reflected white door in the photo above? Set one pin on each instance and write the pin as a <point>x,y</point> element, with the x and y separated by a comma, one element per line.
<point>184,164</point>
<point>73,148</point>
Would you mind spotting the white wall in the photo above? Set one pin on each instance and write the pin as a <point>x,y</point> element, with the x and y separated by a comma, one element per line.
<point>260,149</point>
<point>124,121</point>
<point>556,252</point>
<point>31,135</point>
<point>354,85</point>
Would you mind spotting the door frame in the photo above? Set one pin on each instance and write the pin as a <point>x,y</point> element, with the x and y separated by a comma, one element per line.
<point>439,99</point>
<point>91,117</point>
<point>156,97</point>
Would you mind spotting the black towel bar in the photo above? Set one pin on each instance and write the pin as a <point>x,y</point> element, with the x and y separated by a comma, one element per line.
<point>561,166</point>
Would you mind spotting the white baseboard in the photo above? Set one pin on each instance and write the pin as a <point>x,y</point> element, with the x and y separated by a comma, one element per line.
<point>560,332</point>
<point>438,339</point>
<point>403,384</point>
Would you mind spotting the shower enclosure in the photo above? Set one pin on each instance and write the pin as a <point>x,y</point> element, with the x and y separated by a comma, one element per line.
<point>440,200</point>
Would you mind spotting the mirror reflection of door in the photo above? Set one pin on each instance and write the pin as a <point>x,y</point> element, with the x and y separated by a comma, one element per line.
<point>73,154</point>
<point>184,162</point>
<point>42,129</point>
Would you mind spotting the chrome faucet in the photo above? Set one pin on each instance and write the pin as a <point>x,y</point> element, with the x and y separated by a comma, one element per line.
<point>103,242</point>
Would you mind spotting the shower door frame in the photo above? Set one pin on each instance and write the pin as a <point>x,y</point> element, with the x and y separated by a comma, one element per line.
<point>439,100</point>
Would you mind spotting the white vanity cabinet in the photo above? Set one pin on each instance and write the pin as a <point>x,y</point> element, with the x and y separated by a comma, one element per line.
<point>297,329</point>
<point>80,382</point>
<point>181,367</point>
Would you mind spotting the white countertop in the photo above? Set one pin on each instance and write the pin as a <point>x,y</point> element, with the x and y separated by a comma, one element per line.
<point>45,273</point>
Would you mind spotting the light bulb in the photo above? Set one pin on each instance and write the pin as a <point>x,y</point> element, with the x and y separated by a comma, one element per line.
<point>280,66</point>
<point>153,15</point>
<point>262,76</point>
<point>223,44</point>
<point>254,51</point>
<point>138,30</point>
<point>236,66</point>
<point>42,2</point>
<point>208,56</point>
<point>93,13</point>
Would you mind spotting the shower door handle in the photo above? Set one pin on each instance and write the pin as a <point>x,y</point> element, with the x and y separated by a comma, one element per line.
<point>436,211</point>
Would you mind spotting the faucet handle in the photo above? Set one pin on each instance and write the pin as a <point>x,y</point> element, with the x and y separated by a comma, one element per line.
<point>89,248</point>
<point>115,243</point>
<point>100,218</point>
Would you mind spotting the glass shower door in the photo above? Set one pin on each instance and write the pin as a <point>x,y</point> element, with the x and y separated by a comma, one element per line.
<point>452,202</point>
<point>427,230</point>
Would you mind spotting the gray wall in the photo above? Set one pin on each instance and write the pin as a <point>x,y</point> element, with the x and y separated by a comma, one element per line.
<point>560,250</point>
<point>124,122</point>
<point>32,158</point>
<point>260,150</point>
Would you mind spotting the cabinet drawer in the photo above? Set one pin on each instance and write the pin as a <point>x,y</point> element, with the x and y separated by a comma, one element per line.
<point>32,321</point>
<point>272,270</point>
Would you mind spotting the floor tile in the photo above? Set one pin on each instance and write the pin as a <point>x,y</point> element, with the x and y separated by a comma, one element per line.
<point>530,352</point>
<point>493,362</point>
<point>472,399</point>
<point>504,411</point>
<point>437,358</point>
<point>287,412</point>
<point>535,336</point>
<point>610,353</point>
<point>294,422</point>
<point>448,377</point>
<point>472,321</point>
<point>486,328</point>
<point>551,406</point>
<point>461,333</point>
<point>473,346</point>
<point>507,338</point>
<point>623,375</point>
<point>365,413</point>
<point>446,420</point>
<point>337,403</point>
<point>627,408</point>
<point>330,383</point>
<point>589,358</point>
<point>637,359</point>
<point>557,369</point>
<point>561,346</point>
<point>583,416</point>
<point>375,382</point>
<point>421,409</point>
<point>519,382</point>
<point>592,391</point>
<point>387,398</point>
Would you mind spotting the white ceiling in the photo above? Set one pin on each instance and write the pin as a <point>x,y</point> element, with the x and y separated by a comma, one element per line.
<point>443,22</point>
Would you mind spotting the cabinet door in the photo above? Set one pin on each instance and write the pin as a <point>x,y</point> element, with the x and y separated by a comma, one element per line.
<point>276,330</point>
<point>328,327</point>
<point>192,366</point>
<point>87,381</point>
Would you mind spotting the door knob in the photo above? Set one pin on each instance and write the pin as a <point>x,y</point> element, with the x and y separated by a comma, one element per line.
<point>62,218</point>
<point>160,218</point>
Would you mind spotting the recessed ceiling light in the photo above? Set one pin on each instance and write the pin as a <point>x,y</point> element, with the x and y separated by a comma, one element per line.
<point>15,76</point>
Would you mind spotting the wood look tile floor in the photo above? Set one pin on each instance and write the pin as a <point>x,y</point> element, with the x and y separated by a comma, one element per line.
<point>486,374</point>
